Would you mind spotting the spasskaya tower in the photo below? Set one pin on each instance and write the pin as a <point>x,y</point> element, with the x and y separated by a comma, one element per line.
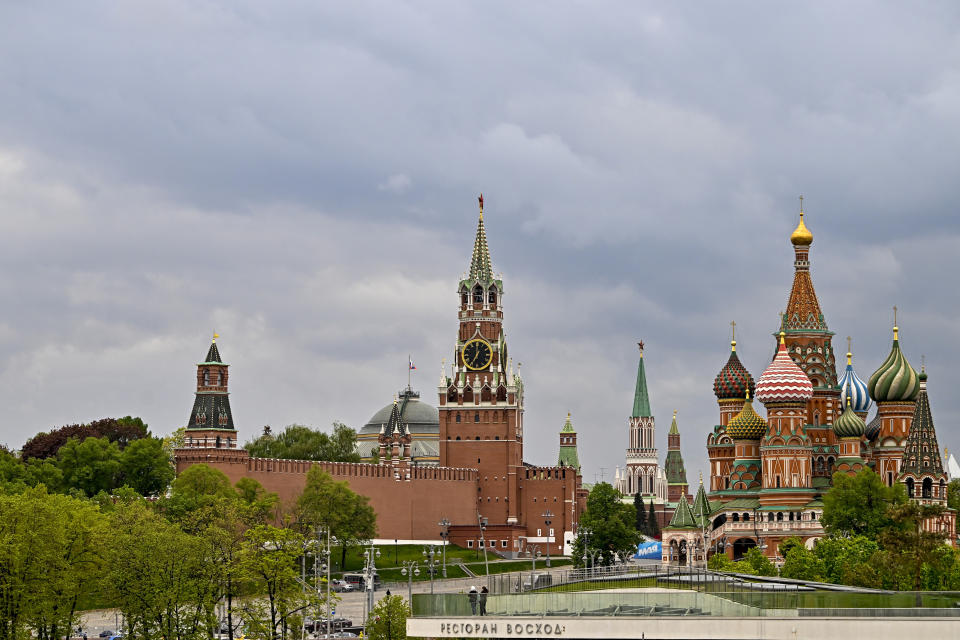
<point>481,401</point>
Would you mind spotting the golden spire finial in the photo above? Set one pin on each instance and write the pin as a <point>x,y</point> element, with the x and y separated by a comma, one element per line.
<point>674,413</point>
<point>568,416</point>
<point>733,335</point>
<point>748,394</point>
<point>896,329</point>
<point>215,336</point>
<point>481,205</point>
<point>801,235</point>
<point>923,364</point>
<point>782,335</point>
<point>849,351</point>
<point>701,477</point>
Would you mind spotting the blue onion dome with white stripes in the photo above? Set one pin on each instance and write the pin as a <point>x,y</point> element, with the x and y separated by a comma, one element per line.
<point>851,385</point>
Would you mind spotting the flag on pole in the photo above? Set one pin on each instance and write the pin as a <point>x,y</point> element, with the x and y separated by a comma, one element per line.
<point>410,363</point>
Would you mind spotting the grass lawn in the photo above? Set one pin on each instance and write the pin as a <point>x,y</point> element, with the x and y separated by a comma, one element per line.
<point>393,556</point>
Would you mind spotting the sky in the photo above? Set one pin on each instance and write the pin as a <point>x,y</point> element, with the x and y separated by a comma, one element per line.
<point>302,178</point>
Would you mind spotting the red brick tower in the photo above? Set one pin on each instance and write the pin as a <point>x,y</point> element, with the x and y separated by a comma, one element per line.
<point>481,402</point>
<point>211,422</point>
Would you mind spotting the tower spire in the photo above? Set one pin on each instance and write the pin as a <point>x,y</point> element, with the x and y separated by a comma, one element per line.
<point>641,398</point>
<point>481,268</point>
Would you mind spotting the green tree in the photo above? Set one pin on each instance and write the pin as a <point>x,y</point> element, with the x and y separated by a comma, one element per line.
<point>388,620</point>
<point>801,564</point>
<point>915,546</point>
<point>145,467</point>
<point>859,505</point>
<point>328,504</point>
<point>160,577</point>
<point>90,466</point>
<point>299,442</point>
<point>260,503</point>
<point>953,498</point>
<point>269,561</point>
<point>760,563</point>
<point>122,431</point>
<point>49,553</point>
<point>653,526</point>
<point>841,558</point>
<point>612,525</point>
<point>641,513</point>
<point>199,485</point>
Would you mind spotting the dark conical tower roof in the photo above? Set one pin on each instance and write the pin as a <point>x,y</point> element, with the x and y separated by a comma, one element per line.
<point>213,354</point>
<point>921,456</point>
<point>481,269</point>
<point>211,404</point>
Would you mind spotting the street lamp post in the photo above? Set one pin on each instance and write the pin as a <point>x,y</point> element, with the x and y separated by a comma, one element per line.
<point>369,575</point>
<point>444,533</point>
<point>586,532</point>
<point>534,550</point>
<point>547,519</point>
<point>482,522</point>
<point>410,568</point>
<point>429,552</point>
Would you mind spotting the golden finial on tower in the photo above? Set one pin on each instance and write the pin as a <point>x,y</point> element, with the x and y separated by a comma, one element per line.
<point>733,335</point>
<point>923,364</point>
<point>849,350</point>
<point>640,345</point>
<point>896,329</point>
<point>215,336</point>
<point>801,236</point>
<point>782,336</point>
<point>481,205</point>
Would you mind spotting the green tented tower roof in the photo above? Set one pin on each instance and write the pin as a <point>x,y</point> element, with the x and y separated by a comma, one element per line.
<point>641,398</point>
<point>683,518</point>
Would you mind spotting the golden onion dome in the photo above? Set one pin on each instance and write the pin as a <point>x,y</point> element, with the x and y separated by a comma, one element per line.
<point>801,236</point>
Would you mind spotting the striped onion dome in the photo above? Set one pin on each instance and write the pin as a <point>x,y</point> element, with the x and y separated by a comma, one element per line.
<point>747,425</point>
<point>851,384</point>
<point>783,380</point>
<point>849,424</point>
<point>734,381</point>
<point>873,429</point>
<point>895,380</point>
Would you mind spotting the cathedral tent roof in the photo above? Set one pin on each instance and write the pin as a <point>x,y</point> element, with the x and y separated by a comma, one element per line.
<point>683,517</point>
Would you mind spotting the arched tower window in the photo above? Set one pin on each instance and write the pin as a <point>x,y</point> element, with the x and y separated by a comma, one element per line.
<point>206,377</point>
<point>816,418</point>
<point>492,295</point>
<point>910,487</point>
<point>478,295</point>
<point>928,487</point>
<point>458,418</point>
<point>476,417</point>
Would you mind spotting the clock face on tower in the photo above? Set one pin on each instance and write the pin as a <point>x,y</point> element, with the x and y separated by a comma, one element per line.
<point>477,354</point>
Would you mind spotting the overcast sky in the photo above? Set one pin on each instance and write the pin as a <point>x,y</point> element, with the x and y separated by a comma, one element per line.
<point>302,178</point>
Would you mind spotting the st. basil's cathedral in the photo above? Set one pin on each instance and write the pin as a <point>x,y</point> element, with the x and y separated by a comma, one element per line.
<point>768,475</point>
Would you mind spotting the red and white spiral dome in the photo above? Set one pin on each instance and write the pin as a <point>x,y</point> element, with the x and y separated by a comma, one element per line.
<point>783,380</point>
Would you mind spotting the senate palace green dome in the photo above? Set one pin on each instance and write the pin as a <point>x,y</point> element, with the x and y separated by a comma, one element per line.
<point>422,421</point>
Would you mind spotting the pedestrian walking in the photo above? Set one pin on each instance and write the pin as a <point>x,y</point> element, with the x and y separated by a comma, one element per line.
<point>483,601</point>
<point>472,596</point>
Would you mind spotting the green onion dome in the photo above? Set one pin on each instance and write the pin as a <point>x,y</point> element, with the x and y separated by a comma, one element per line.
<point>849,424</point>
<point>747,425</point>
<point>895,380</point>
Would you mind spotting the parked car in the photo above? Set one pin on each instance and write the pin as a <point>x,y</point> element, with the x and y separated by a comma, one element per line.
<point>359,582</point>
<point>341,585</point>
<point>107,634</point>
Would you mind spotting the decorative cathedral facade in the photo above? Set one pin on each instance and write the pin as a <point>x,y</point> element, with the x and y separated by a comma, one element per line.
<point>768,474</point>
<point>461,464</point>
